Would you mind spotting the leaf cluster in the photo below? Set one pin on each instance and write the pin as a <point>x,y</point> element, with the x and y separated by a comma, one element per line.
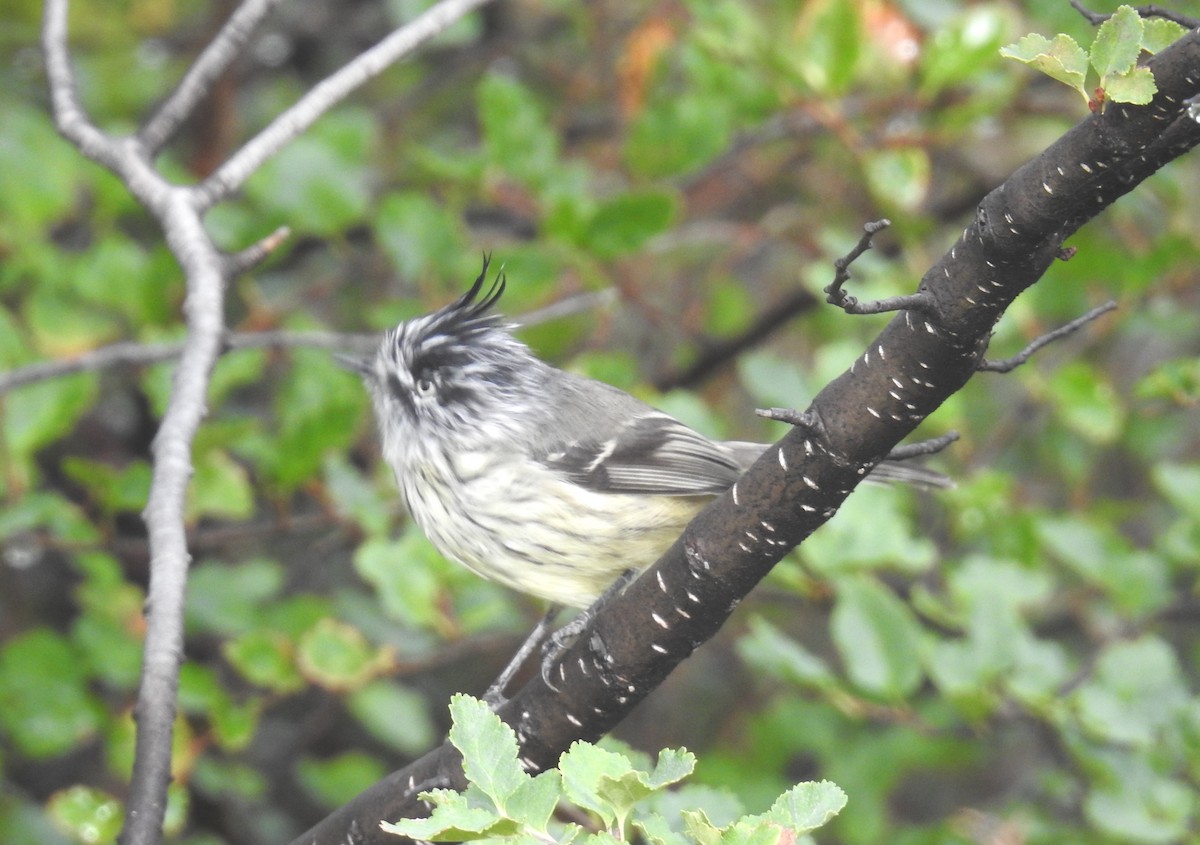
<point>505,804</point>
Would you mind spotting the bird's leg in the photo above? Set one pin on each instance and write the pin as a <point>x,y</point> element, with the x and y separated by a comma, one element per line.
<point>495,693</point>
<point>558,641</point>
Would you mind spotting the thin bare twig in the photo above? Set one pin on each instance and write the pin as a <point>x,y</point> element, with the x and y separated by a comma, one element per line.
<point>198,81</point>
<point>1148,11</point>
<point>131,353</point>
<point>1007,365</point>
<point>834,294</point>
<point>233,173</point>
<point>255,254</point>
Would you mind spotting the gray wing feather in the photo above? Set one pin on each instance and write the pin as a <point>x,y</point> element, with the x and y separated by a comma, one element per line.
<point>652,454</point>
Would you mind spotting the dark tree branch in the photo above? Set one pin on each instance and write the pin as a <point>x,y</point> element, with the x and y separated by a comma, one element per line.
<point>1007,365</point>
<point>905,374</point>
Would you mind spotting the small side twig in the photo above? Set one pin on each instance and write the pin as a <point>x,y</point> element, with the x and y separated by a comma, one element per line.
<point>1007,365</point>
<point>247,259</point>
<point>1147,11</point>
<point>923,447</point>
<point>198,81</point>
<point>834,294</point>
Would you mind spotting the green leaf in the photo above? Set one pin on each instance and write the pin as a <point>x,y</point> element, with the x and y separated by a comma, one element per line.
<point>38,414</point>
<point>1160,33</point>
<point>1136,694</point>
<point>336,780</point>
<point>46,708</point>
<point>1139,805</point>
<point>220,488</point>
<point>265,658</point>
<point>319,406</point>
<point>319,182</point>
<point>420,236</point>
<point>769,650</point>
<point>454,819</point>
<point>1061,59</point>
<point>395,715</point>
<point>807,806</point>
<point>962,49</point>
<point>516,135</point>
<point>1136,87</point>
<point>623,224</point>
<point>698,127</point>
<point>225,598</point>
<point>1086,402</point>
<point>830,43</point>
<point>607,783</point>
<point>898,177</point>
<point>1136,582</point>
<point>405,575</point>
<point>1118,43</point>
<point>1180,485</point>
<point>338,657</point>
<point>876,636</point>
<point>87,814</point>
<point>489,748</point>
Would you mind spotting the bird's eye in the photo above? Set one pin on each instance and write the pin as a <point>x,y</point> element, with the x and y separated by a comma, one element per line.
<point>425,387</point>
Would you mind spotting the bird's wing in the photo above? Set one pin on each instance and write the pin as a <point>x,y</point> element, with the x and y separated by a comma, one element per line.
<point>652,454</point>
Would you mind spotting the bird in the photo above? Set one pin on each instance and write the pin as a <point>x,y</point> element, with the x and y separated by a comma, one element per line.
<point>543,480</point>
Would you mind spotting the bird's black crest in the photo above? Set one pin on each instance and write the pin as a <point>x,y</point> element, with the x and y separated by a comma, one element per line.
<point>471,311</point>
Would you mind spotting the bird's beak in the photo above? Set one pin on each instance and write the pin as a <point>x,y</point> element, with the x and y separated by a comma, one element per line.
<point>354,364</point>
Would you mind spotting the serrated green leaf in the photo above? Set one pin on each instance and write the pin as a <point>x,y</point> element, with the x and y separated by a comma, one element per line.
<point>453,819</point>
<point>1118,43</point>
<point>807,806</point>
<point>535,800</point>
<point>607,783</point>
<point>876,636</point>
<point>585,769</point>
<point>1136,87</point>
<point>489,749</point>
<point>1160,33</point>
<point>1061,59</point>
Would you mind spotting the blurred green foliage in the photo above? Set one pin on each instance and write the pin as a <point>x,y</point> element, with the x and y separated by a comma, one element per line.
<point>1012,660</point>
